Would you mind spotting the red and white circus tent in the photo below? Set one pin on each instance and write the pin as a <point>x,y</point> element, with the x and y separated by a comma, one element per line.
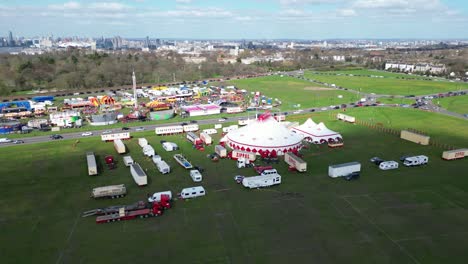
<point>265,137</point>
<point>317,133</point>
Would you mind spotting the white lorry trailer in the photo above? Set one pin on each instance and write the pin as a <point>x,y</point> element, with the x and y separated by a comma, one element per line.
<point>92,166</point>
<point>111,191</point>
<point>162,166</point>
<point>415,161</point>
<point>261,181</point>
<point>294,161</point>
<point>343,170</point>
<point>455,154</point>
<point>119,146</point>
<point>139,176</point>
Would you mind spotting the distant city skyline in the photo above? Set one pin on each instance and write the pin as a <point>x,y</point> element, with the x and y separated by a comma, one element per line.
<point>242,19</point>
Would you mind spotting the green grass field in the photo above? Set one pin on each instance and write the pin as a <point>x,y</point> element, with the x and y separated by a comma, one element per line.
<point>376,73</point>
<point>457,104</point>
<point>390,86</point>
<point>292,91</point>
<point>410,215</point>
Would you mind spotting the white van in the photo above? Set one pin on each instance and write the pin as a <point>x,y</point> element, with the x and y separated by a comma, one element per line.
<point>195,175</point>
<point>388,165</point>
<point>128,160</point>
<point>156,197</point>
<point>192,192</point>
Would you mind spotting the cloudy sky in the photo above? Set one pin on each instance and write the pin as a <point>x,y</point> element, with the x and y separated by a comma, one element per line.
<point>237,19</point>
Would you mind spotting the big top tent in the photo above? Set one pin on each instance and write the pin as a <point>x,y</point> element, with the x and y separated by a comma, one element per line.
<point>317,133</point>
<point>264,136</point>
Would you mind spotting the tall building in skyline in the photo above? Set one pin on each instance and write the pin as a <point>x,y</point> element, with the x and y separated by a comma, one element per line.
<point>11,42</point>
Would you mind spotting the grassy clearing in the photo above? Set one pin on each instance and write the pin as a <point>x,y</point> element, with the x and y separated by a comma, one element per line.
<point>390,86</point>
<point>306,219</point>
<point>376,73</point>
<point>292,91</point>
<point>457,104</point>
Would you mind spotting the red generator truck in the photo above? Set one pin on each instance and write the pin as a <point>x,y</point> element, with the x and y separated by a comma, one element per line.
<point>235,154</point>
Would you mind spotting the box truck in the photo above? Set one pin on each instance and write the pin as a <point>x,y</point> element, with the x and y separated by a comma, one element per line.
<point>119,146</point>
<point>343,170</point>
<point>295,162</point>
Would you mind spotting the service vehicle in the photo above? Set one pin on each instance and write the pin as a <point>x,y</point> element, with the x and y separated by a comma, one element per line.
<point>221,151</point>
<point>119,146</point>
<point>155,210</point>
<point>92,166</point>
<point>156,197</point>
<point>139,176</point>
<point>128,161</point>
<point>261,181</point>
<point>196,176</point>
<point>162,166</point>
<point>376,160</point>
<point>206,139</point>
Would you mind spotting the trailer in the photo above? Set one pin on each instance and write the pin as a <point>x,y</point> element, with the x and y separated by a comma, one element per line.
<point>455,154</point>
<point>111,191</point>
<point>221,151</point>
<point>343,170</point>
<point>92,166</point>
<point>119,146</point>
<point>235,154</point>
<point>218,126</point>
<point>206,138</point>
<point>128,161</point>
<point>142,142</point>
<point>114,136</point>
<point>415,137</point>
<point>192,137</point>
<point>191,128</point>
<point>230,128</point>
<point>139,176</point>
<point>123,215</point>
<point>169,130</point>
<point>346,118</point>
<point>261,181</point>
<point>162,166</point>
<point>169,146</point>
<point>295,162</point>
<point>148,151</point>
<point>415,161</point>
<point>192,192</point>
<point>388,165</point>
<point>210,131</point>
<point>115,209</point>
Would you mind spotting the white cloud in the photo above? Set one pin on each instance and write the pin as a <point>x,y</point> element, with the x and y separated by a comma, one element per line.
<point>310,2</point>
<point>183,1</point>
<point>346,12</point>
<point>66,6</point>
<point>110,6</point>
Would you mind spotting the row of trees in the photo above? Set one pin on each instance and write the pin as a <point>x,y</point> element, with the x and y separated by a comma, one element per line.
<point>76,69</point>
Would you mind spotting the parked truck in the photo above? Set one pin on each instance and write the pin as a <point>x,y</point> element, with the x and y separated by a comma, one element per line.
<point>119,146</point>
<point>295,162</point>
<point>344,170</point>
<point>111,191</point>
<point>156,197</point>
<point>455,154</point>
<point>235,154</point>
<point>162,166</point>
<point>221,151</point>
<point>261,181</point>
<point>92,166</point>
<point>415,161</point>
<point>115,209</point>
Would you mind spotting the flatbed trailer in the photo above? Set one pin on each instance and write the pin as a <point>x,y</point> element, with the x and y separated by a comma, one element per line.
<point>123,215</point>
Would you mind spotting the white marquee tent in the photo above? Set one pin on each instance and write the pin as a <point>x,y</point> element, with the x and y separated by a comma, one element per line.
<point>317,133</point>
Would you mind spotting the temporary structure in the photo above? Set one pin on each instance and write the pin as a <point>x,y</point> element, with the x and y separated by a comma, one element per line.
<point>317,133</point>
<point>264,136</point>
